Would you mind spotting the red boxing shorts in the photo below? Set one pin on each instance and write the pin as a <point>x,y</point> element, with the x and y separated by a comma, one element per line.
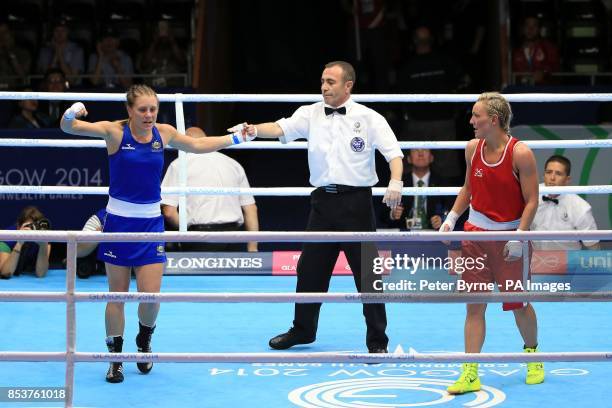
<point>490,268</point>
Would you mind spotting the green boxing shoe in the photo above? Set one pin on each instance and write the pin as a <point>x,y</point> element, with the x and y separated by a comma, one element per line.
<point>535,371</point>
<point>468,381</point>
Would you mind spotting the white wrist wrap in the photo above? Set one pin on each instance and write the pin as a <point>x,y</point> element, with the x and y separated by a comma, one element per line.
<point>73,110</point>
<point>451,220</point>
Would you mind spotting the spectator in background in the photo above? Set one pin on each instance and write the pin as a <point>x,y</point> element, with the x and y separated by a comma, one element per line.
<point>164,56</point>
<point>419,212</point>
<point>464,36</point>
<point>61,53</point>
<point>20,256</point>
<point>562,212</point>
<point>111,67</point>
<point>28,116</point>
<point>208,212</point>
<point>15,61</point>
<point>54,81</point>
<point>429,71</point>
<point>537,56</point>
<point>369,39</point>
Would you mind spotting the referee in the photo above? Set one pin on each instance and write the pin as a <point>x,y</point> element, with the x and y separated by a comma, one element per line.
<point>342,136</point>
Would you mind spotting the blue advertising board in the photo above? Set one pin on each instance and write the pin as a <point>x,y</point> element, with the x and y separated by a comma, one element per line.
<point>85,167</point>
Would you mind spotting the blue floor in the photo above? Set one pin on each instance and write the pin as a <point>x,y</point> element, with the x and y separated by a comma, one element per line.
<point>200,327</point>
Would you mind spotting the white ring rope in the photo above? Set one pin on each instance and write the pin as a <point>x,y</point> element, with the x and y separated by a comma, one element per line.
<point>282,191</point>
<point>433,98</point>
<point>279,297</point>
<point>303,236</point>
<point>447,145</point>
<point>322,357</point>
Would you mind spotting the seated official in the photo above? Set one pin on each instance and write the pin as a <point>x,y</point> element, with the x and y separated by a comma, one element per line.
<point>87,260</point>
<point>19,257</point>
<point>418,212</point>
<point>211,212</point>
<point>562,211</point>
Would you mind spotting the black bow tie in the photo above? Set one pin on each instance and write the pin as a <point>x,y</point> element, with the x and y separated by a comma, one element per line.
<point>329,111</point>
<point>552,200</point>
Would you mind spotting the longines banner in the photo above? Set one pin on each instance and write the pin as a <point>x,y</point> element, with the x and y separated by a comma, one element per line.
<point>219,263</point>
<point>241,263</point>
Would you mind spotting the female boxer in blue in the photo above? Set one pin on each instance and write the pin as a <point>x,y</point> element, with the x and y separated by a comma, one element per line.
<point>136,158</point>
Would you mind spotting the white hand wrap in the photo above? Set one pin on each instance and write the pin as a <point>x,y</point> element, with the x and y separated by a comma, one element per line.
<point>72,111</point>
<point>239,135</point>
<point>393,195</point>
<point>514,249</point>
<point>236,128</point>
<point>451,220</point>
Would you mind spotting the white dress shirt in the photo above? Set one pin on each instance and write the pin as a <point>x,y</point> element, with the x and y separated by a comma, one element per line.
<point>341,147</point>
<point>572,213</point>
<point>209,170</point>
<point>425,178</point>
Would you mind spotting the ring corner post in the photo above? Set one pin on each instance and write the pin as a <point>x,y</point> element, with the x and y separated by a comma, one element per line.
<point>71,251</point>
<point>526,262</point>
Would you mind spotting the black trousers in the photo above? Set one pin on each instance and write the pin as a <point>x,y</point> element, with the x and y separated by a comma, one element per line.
<point>346,211</point>
<point>214,246</point>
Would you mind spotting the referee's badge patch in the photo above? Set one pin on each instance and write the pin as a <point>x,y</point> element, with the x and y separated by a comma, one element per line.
<point>357,144</point>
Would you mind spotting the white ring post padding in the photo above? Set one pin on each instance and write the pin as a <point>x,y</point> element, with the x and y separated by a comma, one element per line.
<point>467,98</point>
<point>283,191</point>
<point>70,320</point>
<point>267,145</point>
<point>182,162</point>
<point>280,297</point>
<point>323,357</point>
<point>307,236</point>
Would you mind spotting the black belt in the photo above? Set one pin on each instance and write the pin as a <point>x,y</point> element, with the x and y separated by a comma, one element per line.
<point>213,227</point>
<point>340,188</point>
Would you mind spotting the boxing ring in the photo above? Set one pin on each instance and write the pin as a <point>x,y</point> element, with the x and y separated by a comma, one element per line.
<point>424,339</point>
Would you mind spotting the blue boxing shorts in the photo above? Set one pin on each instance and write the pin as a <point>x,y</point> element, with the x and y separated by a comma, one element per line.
<point>132,253</point>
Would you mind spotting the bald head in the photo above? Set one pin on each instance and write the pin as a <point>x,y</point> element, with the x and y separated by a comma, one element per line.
<point>195,132</point>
